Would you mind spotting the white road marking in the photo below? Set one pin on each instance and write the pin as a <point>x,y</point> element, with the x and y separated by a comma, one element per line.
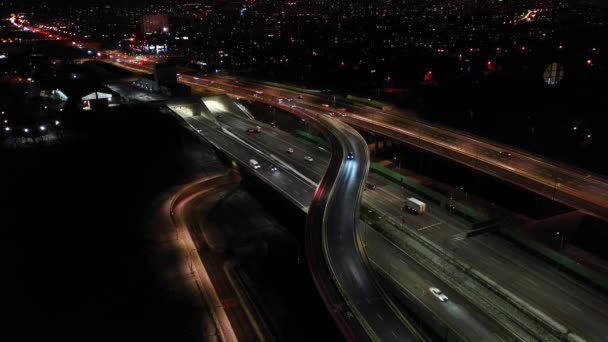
<point>429,226</point>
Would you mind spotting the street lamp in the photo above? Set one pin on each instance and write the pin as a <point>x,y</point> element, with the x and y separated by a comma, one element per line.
<point>466,193</point>
<point>555,188</point>
<point>561,241</point>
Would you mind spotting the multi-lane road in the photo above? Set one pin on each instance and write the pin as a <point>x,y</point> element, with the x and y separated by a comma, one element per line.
<point>582,308</point>
<point>569,302</point>
<point>574,187</point>
<point>340,238</point>
<point>271,145</point>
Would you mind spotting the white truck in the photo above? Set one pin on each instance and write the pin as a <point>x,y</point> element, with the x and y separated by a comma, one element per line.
<point>415,205</point>
<point>254,164</point>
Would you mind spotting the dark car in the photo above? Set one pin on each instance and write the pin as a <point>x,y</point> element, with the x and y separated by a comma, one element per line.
<point>371,186</point>
<point>273,168</point>
<point>506,154</point>
<point>350,156</point>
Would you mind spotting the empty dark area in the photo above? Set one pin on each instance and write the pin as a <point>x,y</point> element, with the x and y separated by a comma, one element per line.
<point>73,250</point>
<point>591,235</point>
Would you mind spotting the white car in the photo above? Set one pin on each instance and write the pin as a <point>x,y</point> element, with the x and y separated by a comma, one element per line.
<point>308,158</point>
<point>254,164</point>
<point>437,293</point>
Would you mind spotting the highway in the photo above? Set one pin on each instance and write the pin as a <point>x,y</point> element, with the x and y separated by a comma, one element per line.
<point>294,188</point>
<point>571,186</point>
<point>582,310</point>
<point>357,298</point>
<point>536,282</point>
<point>275,142</point>
<point>457,312</point>
<point>332,226</point>
<point>563,298</point>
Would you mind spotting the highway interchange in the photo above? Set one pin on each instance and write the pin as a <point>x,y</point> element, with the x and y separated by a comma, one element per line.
<point>536,282</point>
<point>578,306</point>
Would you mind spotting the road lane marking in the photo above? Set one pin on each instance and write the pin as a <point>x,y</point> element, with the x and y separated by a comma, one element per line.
<point>392,332</point>
<point>382,319</point>
<point>429,226</point>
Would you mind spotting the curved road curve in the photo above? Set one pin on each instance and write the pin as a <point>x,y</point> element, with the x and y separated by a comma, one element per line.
<point>343,276</point>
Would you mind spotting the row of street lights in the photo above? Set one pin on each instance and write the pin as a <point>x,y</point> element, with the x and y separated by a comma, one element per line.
<point>42,128</point>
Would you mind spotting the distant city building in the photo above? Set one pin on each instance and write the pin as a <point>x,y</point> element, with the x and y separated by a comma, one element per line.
<point>154,23</point>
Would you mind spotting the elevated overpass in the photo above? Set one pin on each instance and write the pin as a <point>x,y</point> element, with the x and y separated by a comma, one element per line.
<point>345,281</point>
<point>496,259</point>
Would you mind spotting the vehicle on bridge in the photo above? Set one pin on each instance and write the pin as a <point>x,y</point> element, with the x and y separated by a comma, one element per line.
<point>308,159</point>
<point>290,150</point>
<point>350,156</point>
<point>506,154</point>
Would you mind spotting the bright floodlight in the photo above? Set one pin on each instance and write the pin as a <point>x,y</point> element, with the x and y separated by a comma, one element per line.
<point>26,130</point>
<point>42,128</point>
<point>57,122</point>
<point>7,129</point>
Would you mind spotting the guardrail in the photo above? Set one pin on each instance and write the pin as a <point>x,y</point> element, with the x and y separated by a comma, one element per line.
<point>311,138</point>
<point>368,102</point>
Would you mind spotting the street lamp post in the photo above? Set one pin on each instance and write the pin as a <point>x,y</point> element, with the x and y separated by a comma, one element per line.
<point>561,240</point>
<point>555,188</point>
<point>466,193</point>
<point>561,245</point>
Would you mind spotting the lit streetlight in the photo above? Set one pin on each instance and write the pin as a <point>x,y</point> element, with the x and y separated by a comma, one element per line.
<point>561,240</point>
